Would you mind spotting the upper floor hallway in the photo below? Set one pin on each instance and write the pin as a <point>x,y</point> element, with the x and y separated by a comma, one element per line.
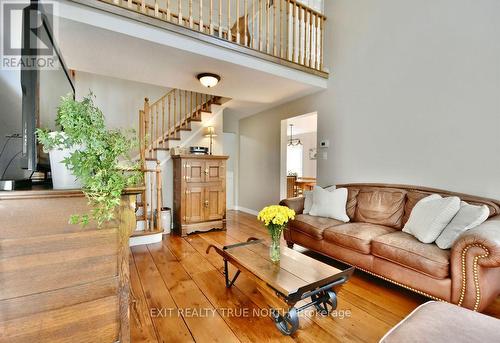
<point>266,51</point>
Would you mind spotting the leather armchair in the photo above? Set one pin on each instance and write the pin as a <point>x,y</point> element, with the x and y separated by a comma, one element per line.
<point>475,266</point>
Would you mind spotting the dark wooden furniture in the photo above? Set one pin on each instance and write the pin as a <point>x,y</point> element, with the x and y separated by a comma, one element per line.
<point>199,193</point>
<point>296,277</point>
<point>61,282</point>
<point>291,190</point>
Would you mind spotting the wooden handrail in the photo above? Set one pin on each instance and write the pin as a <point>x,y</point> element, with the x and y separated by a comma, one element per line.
<point>285,29</point>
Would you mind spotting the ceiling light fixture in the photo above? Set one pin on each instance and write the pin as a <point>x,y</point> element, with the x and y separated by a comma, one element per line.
<point>208,80</point>
<point>292,141</point>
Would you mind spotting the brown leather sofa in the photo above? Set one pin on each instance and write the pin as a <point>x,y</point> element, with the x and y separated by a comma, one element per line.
<point>468,274</point>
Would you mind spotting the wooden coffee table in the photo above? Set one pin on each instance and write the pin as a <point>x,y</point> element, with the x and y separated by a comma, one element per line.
<point>295,278</point>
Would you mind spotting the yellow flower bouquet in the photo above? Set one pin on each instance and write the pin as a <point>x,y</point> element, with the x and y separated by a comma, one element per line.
<point>275,218</point>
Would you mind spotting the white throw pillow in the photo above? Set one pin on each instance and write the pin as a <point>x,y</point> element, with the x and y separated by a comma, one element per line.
<point>468,217</point>
<point>430,216</point>
<point>330,203</point>
<point>308,201</point>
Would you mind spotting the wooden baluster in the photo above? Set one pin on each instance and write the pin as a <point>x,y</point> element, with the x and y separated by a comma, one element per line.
<point>260,24</point>
<point>211,27</point>
<point>163,122</point>
<point>175,113</point>
<point>179,18</point>
<point>229,34</point>
<point>146,124</point>
<point>267,26</point>
<point>168,11</point>
<point>301,51</point>
<point>287,25</point>
<point>318,19</point>
<point>294,19</point>
<point>157,9</point>
<point>282,21</point>
<point>157,129</point>
<point>309,28</point>
<point>201,16</point>
<point>141,138</point>
<point>143,6</point>
<point>275,46</point>
<point>238,21</point>
<point>246,23</point>
<point>253,24</point>
<point>129,3</point>
<point>151,197</point>
<point>220,18</point>
<point>158,196</point>
<point>185,109</point>
<point>322,49</point>
<point>169,112</point>
<point>191,14</point>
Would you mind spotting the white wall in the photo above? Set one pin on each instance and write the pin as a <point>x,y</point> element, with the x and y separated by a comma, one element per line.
<point>309,141</point>
<point>119,100</point>
<point>413,98</point>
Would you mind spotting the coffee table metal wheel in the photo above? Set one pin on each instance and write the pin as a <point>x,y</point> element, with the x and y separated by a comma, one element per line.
<point>287,324</point>
<point>325,303</point>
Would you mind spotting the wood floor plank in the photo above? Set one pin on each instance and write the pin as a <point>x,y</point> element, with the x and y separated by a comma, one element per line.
<point>179,273</point>
<point>170,328</point>
<point>205,324</point>
<point>141,325</point>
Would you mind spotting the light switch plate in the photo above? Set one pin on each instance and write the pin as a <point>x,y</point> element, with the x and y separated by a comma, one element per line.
<point>324,143</point>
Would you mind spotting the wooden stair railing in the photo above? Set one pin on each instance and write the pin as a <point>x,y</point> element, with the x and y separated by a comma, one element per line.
<point>159,123</point>
<point>286,29</point>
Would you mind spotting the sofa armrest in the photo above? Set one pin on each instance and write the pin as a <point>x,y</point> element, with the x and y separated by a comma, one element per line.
<point>486,236</point>
<point>475,265</point>
<point>296,204</point>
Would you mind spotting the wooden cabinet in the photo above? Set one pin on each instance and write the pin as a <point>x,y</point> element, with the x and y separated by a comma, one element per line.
<point>62,282</point>
<point>199,193</point>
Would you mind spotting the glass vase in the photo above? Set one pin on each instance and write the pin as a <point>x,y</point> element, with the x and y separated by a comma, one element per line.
<point>274,249</point>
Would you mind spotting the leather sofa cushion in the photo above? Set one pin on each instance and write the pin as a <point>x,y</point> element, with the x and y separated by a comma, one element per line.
<point>352,200</point>
<point>381,206</point>
<point>312,226</point>
<point>404,249</point>
<point>356,236</point>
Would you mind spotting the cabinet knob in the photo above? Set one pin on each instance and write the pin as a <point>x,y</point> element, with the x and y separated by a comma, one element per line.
<point>206,171</point>
<point>206,203</point>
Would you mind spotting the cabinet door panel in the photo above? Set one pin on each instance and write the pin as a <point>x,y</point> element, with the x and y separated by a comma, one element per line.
<point>215,202</point>
<point>194,206</point>
<point>195,171</point>
<point>214,170</point>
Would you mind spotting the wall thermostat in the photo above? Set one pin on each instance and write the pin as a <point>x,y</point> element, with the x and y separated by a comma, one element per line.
<point>324,143</point>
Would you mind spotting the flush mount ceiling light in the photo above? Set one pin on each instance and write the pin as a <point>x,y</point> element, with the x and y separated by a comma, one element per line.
<point>208,80</point>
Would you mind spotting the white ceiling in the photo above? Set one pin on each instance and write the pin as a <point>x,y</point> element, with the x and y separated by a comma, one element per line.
<point>255,86</point>
<point>303,124</point>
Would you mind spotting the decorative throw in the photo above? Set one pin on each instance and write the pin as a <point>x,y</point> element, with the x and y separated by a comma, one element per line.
<point>430,216</point>
<point>468,217</point>
<point>330,203</point>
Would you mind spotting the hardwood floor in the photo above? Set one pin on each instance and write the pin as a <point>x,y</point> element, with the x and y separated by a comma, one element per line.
<point>179,295</point>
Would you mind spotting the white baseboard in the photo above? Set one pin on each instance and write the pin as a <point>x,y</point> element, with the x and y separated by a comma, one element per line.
<point>146,239</point>
<point>246,210</point>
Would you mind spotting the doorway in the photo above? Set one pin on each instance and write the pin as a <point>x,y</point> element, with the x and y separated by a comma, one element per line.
<point>298,154</point>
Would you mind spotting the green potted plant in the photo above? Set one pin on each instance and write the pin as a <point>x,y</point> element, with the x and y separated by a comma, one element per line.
<point>98,157</point>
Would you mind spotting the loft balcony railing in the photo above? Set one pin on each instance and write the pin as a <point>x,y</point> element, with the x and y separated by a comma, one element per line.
<point>284,29</point>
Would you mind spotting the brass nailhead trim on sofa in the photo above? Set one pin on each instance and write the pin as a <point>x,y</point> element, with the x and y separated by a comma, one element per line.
<point>475,273</point>
<point>402,285</point>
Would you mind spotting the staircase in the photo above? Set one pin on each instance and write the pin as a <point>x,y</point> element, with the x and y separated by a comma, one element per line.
<point>173,121</point>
